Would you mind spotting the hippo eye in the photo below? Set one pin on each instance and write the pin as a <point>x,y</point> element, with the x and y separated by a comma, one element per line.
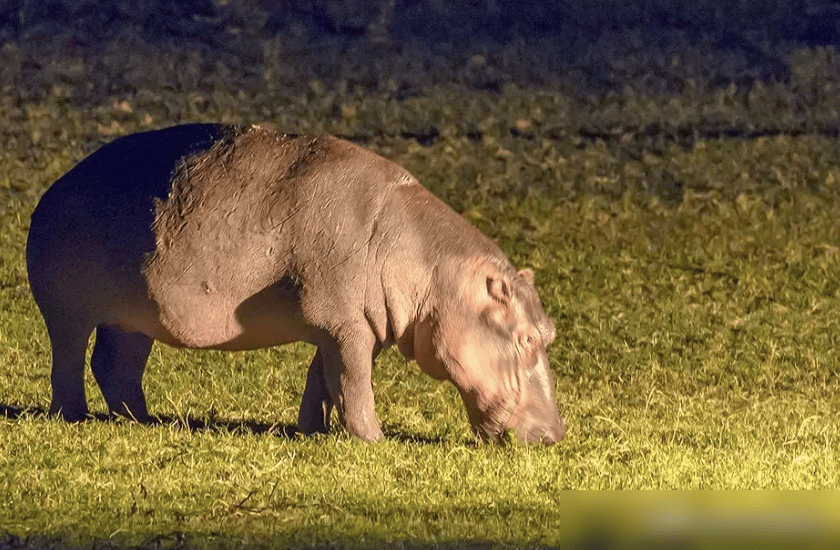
<point>528,347</point>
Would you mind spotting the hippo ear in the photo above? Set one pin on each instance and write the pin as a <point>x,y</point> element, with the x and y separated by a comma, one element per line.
<point>528,275</point>
<point>547,331</point>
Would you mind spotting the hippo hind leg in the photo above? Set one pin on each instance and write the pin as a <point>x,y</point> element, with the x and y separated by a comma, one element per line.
<point>118,361</point>
<point>316,405</point>
<point>69,342</point>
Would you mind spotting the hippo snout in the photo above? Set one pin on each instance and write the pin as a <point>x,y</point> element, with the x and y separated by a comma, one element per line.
<point>539,421</point>
<point>542,433</point>
<point>548,436</point>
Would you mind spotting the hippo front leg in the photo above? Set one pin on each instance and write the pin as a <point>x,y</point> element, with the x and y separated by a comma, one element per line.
<point>316,405</point>
<point>347,367</point>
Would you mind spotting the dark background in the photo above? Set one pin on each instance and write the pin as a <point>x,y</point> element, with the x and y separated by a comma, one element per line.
<point>402,47</point>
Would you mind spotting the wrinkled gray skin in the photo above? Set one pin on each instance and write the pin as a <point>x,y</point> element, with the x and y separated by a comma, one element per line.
<point>217,237</point>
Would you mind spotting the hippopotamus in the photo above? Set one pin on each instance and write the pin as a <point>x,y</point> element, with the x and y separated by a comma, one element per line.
<point>242,237</point>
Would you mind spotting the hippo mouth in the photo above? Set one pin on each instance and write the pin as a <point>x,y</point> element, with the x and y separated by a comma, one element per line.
<point>500,419</point>
<point>546,437</point>
<point>508,417</point>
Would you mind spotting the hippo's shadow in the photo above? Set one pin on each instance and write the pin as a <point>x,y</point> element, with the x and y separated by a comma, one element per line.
<point>192,424</point>
<point>414,439</point>
<point>15,413</point>
<point>285,431</point>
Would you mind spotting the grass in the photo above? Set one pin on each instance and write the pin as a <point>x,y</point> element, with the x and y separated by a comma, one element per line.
<point>694,279</point>
<point>696,350</point>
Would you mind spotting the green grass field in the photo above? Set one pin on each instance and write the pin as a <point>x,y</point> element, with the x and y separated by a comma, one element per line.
<point>697,348</point>
<point>687,246</point>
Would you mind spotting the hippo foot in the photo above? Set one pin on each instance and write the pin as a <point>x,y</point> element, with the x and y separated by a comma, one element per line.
<point>69,414</point>
<point>314,417</point>
<point>139,418</point>
<point>366,432</point>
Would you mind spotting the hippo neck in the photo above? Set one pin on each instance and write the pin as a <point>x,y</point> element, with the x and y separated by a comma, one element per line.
<point>429,246</point>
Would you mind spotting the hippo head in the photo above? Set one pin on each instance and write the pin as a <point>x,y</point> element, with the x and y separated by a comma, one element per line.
<point>490,342</point>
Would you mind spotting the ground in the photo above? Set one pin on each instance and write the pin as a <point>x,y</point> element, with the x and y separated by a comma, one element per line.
<point>670,172</point>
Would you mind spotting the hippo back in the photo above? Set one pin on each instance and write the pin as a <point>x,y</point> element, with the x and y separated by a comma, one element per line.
<point>115,187</point>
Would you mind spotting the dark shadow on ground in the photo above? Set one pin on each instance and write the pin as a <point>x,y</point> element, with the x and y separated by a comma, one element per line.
<point>420,440</point>
<point>286,431</point>
<point>13,412</point>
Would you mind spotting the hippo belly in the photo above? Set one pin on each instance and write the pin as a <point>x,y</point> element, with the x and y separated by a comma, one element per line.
<point>224,321</point>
